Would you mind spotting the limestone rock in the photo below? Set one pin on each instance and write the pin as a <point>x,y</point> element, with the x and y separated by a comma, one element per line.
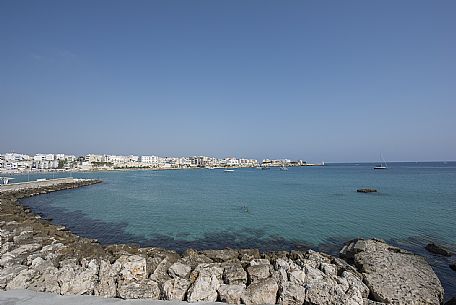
<point>175,289</point>
<point>234,274</point>
<point>231,294</point>
<point>394,275</point>
<point>107,286</point>
<point>325,292</point>
<point>258,272</point>
<point>144,289</point>
<point>132,267</point>
<point>193,259</point>
<point>179,269</point>
<point>292,294</point>
<point>8,273</point>
<point>261,292</point>
<point>74,279</point>
<point>249,254</point>
<point>209,279</point>
<point>46,279</point>
<point>221,256</point>
<point>21,280</point>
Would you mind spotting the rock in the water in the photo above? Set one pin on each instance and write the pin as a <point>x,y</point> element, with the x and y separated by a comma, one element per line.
<point>394,275</point>
<point>453,266</point>
<point>261,292</point>
<point>366,190</point>
<point>220,256</point>
<point>436,249</point>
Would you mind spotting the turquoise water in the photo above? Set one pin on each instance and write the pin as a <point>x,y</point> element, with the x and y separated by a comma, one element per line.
<point>303,207</point>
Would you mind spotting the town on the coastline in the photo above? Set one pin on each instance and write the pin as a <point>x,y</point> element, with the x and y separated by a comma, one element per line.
<point>17,162</point>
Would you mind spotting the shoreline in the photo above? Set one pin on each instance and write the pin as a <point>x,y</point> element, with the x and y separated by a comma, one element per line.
<point>18,172</point>
<point>33,249</point>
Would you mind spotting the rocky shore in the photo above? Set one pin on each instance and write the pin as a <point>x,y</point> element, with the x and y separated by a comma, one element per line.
<point>40,256</point>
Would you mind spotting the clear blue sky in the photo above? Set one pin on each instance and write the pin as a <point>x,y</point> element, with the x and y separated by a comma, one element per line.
<point>314,80</point>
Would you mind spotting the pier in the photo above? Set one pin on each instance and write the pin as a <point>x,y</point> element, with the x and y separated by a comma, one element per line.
<point>46,185</point>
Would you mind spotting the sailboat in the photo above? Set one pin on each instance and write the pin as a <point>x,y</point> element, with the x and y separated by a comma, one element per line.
<point>382,165</point>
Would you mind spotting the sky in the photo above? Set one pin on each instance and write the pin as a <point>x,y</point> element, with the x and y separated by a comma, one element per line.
<point>334,81</point>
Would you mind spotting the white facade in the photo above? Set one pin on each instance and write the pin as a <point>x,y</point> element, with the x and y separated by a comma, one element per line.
<point>60,156</point>
<point>149,159</point>
<point>93,158</point>
<point>16,157</point>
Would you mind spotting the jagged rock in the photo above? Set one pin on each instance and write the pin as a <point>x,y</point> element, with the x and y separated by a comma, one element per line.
<point>160,274</point>
<point>18,255</point>
<point>209,279</point>
<point>394,275</point>
<point>21,280</point>
<point>261,292</point>
<point>107,286</point>
<point>292,294</point>
<point>75,279</point>
<point>231,294</point>
<point>45,279</point>
<point>132,267</point>
<point>8,273</point>
<point>179,269</point>
<point>220,256</point>
<point>193,258</point>
<point>175,289</point>
<point>325,292</point>
<point>259,261</point>
<point>356,283</point>
<point>234,274</point>
<point>436,249</point>
<point>144,289</point>
<point>298,277</point>
<point>258,272</point>
<point>248,254</point>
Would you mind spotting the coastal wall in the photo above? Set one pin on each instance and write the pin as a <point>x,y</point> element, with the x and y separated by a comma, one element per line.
<point>40,256</point>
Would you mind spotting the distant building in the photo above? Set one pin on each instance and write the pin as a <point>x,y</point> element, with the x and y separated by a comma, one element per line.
<point>93,158</point>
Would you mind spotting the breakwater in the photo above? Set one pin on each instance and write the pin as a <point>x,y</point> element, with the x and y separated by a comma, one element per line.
<point>38,255</point>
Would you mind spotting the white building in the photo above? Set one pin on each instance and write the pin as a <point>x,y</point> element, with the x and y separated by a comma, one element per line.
<point>149,159</point>
<point>60,156</point>
<point>94,158</point>
<point>43,157</point>
<point>14,157</point>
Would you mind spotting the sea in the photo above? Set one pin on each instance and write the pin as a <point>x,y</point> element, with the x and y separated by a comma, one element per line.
<point>304,207</point>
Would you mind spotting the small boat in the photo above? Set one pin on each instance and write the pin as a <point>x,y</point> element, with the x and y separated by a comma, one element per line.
<point>228,170</point>
<point>5,180</point>
<point>382,165</point>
